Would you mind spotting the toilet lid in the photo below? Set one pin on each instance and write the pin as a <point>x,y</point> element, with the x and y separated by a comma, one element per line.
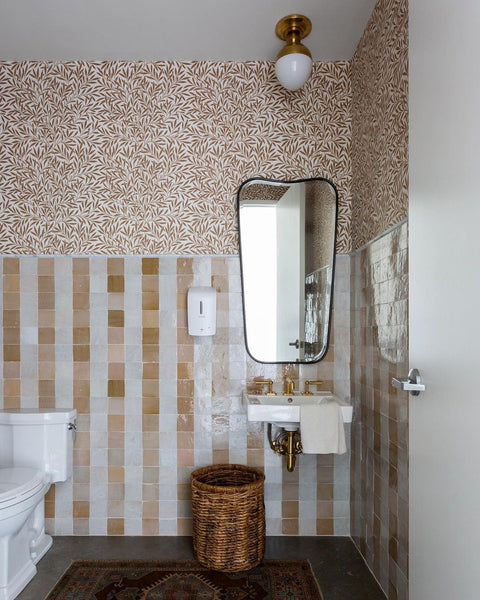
<point>18,484</point>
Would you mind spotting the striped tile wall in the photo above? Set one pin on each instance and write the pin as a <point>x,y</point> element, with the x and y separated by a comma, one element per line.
<point>108,335</point>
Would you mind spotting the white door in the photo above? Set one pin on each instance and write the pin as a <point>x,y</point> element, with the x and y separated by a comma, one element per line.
<point>445,299</point>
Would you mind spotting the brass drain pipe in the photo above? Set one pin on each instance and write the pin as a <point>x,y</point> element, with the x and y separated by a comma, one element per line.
<point>286,443</point>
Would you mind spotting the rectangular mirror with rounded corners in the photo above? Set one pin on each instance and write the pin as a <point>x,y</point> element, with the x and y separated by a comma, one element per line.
<point>287,253</point>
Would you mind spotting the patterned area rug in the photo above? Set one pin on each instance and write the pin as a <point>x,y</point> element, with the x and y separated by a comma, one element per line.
<point>184,580</point>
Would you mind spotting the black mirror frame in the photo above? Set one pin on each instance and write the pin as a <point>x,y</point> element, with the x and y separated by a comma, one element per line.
<point>287,182</point>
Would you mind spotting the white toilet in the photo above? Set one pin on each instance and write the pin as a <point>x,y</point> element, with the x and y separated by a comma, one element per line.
<point>36,450</point>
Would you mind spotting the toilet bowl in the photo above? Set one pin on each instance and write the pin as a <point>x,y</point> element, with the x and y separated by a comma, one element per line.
<point>36,449</point>
<point>22,490</point>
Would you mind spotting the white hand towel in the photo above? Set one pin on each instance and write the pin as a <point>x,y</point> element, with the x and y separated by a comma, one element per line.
<point>321,428</point>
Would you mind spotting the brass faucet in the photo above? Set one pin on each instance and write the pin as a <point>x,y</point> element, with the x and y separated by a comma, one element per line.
<point>268,382</point>
<point>308,383</point>
<point>289,386</point>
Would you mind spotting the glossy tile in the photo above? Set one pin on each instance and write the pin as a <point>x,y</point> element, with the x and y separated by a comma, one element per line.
<point>379,467</point>
<point>153,402</point>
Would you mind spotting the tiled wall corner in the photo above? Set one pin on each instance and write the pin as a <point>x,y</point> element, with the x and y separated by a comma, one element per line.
<point>341,387</point>
<point>379,466</point>
<point>108,335</point>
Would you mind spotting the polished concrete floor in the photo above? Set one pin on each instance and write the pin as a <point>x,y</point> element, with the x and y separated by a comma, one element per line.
<point>338,567</point>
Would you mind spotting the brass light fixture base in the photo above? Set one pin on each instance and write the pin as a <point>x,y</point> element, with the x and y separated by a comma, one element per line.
<point>299,23</point>
<point>292,29</point>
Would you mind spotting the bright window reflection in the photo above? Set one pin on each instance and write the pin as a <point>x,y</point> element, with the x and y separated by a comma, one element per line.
<point>259,227</point>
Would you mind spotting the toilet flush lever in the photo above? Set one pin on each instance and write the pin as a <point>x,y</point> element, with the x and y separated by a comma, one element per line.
<point>412,383</point>
<point>73,428</point>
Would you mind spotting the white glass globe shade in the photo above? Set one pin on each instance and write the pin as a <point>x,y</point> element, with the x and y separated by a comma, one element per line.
<point>293,70</point>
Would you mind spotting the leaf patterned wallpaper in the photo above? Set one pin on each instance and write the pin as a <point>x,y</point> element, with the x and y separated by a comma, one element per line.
<point>379,151</point>
<point>146,158</point>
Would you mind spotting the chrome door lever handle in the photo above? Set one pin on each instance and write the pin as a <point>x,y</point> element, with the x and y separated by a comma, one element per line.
<point>412,383</point>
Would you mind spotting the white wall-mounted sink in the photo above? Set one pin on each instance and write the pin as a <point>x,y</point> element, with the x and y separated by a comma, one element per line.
<point>284,411</point>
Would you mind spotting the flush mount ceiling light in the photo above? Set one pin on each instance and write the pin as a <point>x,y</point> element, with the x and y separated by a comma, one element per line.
<point>294,61</point>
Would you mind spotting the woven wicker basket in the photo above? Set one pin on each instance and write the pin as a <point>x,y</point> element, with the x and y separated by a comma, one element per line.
<point>228,517</point>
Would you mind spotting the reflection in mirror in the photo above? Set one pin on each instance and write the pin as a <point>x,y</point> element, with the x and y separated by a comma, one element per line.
<point>287,250</point>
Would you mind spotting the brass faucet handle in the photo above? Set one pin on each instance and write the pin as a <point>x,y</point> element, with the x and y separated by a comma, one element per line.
<point>268,382</point>
<point>308,383</point>
<point>289,386</point>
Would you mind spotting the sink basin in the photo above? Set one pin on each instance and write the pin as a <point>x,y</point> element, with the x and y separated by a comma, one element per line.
<point>284,411</point>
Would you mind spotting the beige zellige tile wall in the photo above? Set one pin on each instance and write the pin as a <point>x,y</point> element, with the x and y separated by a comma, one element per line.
<point>379,288</point>
<point>108,335</point>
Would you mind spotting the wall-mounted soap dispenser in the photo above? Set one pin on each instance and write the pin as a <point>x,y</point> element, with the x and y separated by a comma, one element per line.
<point>202,310</point>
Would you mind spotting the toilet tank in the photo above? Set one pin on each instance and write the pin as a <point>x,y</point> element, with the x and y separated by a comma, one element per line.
<point>41,438</point>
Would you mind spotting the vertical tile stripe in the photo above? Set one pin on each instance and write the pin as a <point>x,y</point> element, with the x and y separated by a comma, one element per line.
<point>81,393</point>
<point>220,366</point>
<point>185,395</point>
<point>11,333</point>
<point>116,396</point>
<point>150,395</point>
<point>46,333</point>
<point>325,475</point>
